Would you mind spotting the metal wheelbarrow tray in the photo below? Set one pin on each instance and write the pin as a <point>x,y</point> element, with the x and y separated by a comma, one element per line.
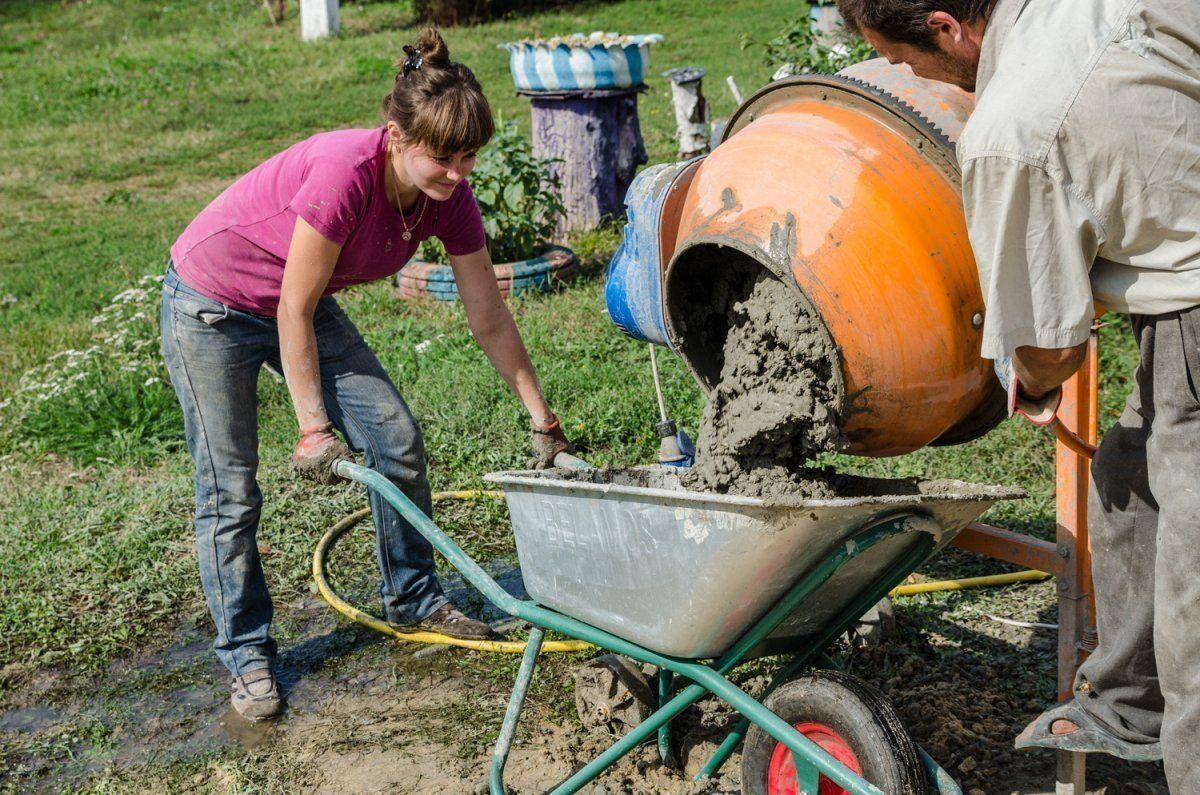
<point>695,584</point>
<point>685,573</point>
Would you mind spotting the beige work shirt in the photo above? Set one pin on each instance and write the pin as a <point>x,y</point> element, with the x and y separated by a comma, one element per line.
<point>1081,165</point>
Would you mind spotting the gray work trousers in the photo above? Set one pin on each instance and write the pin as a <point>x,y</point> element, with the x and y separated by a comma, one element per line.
<point>1144,678</point>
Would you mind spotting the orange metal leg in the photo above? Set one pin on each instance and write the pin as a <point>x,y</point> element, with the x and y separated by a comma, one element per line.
<point>1076,622</point>
<point>1016,548</point>
<point>1069,558</point>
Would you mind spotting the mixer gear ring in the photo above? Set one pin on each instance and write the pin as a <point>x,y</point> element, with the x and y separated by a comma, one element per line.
<point>915,116</point>
<point>867,97</point>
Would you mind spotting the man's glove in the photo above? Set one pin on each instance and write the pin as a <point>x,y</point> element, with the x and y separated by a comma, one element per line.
<point>1039,411</point>
<point>316,453</point>
<point>547,443</point>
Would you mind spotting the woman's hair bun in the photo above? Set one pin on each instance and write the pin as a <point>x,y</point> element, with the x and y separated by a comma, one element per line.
<point>437,103</point>
<point>433,49</point>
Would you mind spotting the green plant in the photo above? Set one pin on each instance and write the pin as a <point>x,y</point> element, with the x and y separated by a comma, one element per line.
<point>807,51</point>
<point>519,199</point>
<point>108,402</point>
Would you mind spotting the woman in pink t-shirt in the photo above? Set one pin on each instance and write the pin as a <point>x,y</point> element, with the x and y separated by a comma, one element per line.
<point>250,283</point>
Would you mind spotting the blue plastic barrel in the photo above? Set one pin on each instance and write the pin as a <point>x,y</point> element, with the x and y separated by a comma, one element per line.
<point>633,289</point>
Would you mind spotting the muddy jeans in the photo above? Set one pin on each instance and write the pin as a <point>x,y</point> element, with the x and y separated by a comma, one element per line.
<point>1144,679</point>
<point>214,354</point>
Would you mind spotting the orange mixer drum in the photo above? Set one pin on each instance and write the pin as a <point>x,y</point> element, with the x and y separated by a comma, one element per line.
<point>844,184</point>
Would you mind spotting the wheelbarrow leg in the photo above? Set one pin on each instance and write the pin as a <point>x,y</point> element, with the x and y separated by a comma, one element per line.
<point>808,778</point>
<point>942,781</point>
<point>665,681</point>
<point>816,650</point>
<point>508,730</point>
<point>643,731</point>
<point>738,732</point>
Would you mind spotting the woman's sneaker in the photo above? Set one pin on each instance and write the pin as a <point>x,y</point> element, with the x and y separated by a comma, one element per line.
<point>447,620</point>
<point>255,694</point>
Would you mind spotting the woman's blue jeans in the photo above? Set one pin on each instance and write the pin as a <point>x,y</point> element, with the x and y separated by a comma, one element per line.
<point>214,354</point>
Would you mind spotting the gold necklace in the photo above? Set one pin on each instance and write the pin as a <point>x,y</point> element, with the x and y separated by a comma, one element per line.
<point>407,234</point>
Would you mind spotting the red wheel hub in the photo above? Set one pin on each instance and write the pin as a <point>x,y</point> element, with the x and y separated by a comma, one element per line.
<point>781,771</point>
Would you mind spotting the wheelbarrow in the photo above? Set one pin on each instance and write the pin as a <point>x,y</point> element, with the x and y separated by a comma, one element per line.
<point>694,584</point>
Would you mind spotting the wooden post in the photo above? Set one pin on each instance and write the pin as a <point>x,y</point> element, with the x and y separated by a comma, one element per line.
<point>596,140</point>
<point>691,110</point>
<point>318,19</point>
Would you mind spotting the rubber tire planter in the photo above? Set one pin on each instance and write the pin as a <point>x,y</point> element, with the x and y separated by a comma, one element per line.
<point>427,280</point>
<point>848,718</point>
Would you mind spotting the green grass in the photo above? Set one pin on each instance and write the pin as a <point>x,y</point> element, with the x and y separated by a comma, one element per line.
<point>120,120</point>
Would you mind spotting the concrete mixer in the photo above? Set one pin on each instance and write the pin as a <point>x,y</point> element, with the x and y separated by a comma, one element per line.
<point>845,186</point>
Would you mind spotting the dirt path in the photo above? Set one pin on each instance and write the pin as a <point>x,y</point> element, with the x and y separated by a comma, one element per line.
<point>370,715</point>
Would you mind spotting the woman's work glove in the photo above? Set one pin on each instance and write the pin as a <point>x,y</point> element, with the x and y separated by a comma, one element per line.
<point>316,453</point>
<point>1039,411</point>
<point>548,441</point>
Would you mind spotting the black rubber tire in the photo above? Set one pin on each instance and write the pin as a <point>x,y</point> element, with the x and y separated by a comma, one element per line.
<point>856,711</point>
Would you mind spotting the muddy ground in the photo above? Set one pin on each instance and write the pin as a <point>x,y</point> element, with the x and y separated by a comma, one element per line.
<point>372,715</point>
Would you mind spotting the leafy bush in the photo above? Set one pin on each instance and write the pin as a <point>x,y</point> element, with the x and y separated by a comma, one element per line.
<point>109,402</point>
<point>519,199</point>
<point>807,51</point>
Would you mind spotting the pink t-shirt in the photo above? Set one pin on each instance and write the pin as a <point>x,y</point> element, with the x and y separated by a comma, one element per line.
<point>235,249</point>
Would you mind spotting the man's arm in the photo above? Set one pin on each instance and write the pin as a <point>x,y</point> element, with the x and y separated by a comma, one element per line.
<point>1034,241</point>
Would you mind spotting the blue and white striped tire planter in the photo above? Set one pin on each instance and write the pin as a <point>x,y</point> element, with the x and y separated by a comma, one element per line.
<point>427,280</point>
<point>578,62</point>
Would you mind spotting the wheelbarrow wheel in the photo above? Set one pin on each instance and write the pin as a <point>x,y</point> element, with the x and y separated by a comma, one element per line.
<point>850,721</point>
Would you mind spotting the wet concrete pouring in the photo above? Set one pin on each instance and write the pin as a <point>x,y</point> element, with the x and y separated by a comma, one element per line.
<point>774,406</point>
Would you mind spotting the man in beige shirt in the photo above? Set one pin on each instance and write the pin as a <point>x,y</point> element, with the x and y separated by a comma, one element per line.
<point>1081,184</point>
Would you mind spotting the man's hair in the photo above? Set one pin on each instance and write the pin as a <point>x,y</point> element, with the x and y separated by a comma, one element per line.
<point>904,20</point>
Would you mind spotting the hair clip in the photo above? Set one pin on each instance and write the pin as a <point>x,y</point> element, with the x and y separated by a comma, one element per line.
<point>412,61</point>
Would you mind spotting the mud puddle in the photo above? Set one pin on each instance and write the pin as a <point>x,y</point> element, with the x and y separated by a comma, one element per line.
<point>364,714</point>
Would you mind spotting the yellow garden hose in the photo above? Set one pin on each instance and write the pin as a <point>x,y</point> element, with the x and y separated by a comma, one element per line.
<point>517,647</point>
<point>354,614</point>
<point>1031,575</point>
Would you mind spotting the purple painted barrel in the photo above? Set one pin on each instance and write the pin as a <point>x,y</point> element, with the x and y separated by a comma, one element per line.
<point>596,140</point>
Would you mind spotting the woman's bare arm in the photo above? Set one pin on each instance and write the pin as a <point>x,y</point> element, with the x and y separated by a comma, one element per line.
<point>309,266</point>
<point>494,329</point>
